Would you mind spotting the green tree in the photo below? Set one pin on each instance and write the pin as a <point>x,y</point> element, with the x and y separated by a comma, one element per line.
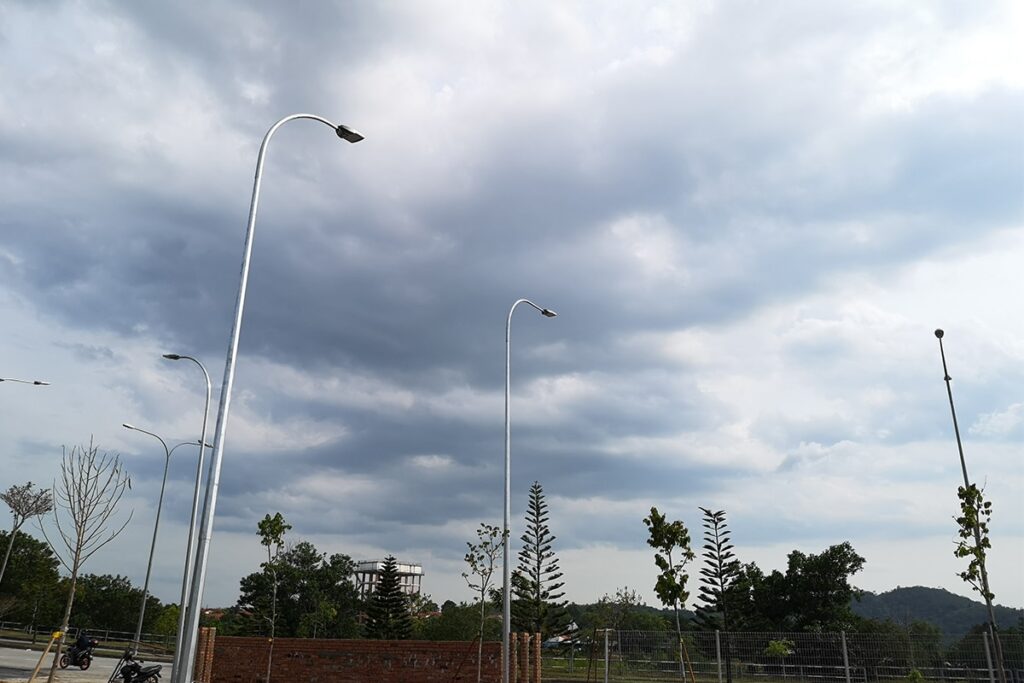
<point>624,611</point>
<point>741,599</point>
<point>112,602</point>
<point>387,614</point>
<point>315,623</point>
<point>537,605</point>
<point>814,594</point>
<point>422,605</point>
<point>818,588</point>
<point>24,504</point>
<point>271,531</point>
<point>975,513</point>
<point>457,622</point>
<point>233,621</point>
<point>671,540</point>
<point>31,581</point>
<point>166,623</point>
<point>315,594</point>
<point>720,570</point>
<point>482,558</point>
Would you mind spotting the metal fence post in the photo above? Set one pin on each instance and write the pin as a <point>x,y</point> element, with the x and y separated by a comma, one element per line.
<point>846,656</point>
<point>606,656</point>
<point>718,654</point>
<point>988,658</point>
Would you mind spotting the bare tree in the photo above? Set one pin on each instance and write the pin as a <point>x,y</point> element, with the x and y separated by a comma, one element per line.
<point>25,504</point>
<point>90,488</point>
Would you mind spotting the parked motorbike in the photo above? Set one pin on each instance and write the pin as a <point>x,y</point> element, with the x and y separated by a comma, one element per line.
<point>79,654</point>
<point>131,670</point>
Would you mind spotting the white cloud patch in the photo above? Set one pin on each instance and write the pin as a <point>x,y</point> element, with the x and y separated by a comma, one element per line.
<point>1001,424</point>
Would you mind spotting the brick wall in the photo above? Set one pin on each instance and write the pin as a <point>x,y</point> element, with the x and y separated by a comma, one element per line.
<point>306,660</point>
<point>205,647</point>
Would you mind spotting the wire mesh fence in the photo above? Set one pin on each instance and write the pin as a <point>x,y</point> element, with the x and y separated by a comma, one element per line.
<point>720,657</point>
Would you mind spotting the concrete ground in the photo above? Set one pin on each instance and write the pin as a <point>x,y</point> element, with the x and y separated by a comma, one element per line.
<point>16,665</point>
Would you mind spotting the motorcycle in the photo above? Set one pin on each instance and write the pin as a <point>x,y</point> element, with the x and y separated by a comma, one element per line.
<point>80,657</point>
<point>131,670</point>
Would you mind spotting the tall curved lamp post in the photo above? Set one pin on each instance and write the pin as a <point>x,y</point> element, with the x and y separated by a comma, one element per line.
<point>37,382</point>
<point>506,601</point>
<point>190,545</point>
<point>195,598</point>
<point>156,525</point>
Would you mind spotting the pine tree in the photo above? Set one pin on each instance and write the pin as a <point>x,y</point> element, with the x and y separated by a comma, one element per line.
<point>387,613</point>
<point>537,606</point>
<point>719,573</point>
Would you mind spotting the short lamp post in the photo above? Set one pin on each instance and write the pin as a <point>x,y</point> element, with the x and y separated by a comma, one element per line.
<point>156,525</point>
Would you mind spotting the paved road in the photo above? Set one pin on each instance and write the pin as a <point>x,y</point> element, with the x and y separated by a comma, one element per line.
<point>16,664</point>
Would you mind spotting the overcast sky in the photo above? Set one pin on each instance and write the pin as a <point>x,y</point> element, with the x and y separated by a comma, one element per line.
<point>750,217</point>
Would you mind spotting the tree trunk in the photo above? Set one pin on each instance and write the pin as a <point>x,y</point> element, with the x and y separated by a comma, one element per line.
<point>679,638</point>
<point>35,611</point>
<point>728,659</point>
<point>725,629</point>
<point>480,644</point>
<point>7,555</point>
<point>64,622</point>
<point>273,619</point>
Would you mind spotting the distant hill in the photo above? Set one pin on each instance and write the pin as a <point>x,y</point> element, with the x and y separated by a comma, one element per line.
<point>952,613</point>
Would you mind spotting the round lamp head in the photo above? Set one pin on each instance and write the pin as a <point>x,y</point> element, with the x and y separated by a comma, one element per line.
<point>939,333</point>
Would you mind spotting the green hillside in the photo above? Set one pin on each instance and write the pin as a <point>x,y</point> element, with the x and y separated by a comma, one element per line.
<point>952,613</point>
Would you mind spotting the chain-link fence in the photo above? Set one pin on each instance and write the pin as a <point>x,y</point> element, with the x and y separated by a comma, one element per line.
<point>719,657</point>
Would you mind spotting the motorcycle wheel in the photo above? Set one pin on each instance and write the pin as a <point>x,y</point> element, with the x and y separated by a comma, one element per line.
<point>85,662</point>
<point>64,661</point>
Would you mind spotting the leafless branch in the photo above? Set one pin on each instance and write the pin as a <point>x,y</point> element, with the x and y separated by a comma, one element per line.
<point>86,499</point>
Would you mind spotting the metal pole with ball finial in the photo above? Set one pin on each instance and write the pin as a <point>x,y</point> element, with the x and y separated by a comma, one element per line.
<point>939,334</point>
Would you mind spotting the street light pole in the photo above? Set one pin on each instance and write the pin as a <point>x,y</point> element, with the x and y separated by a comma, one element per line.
<point>183,605</point>
<point>506,613</point>
<point>156,526</point>
<point>195,599</point>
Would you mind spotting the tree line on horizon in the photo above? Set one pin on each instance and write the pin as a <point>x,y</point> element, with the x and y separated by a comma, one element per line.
<point>300,591</point>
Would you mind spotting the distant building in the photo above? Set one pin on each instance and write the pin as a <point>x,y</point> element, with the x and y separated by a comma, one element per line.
<point>368,573</point>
